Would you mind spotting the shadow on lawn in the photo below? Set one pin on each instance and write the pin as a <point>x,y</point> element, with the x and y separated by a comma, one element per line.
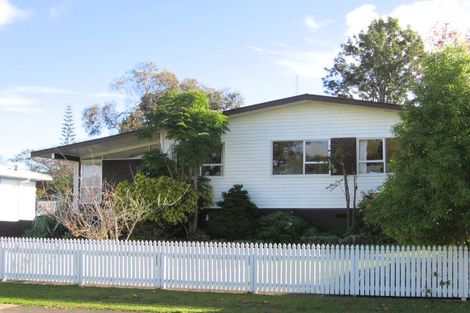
<point>69,296</point>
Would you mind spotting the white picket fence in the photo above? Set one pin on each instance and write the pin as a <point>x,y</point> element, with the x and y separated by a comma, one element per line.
<point>396,271</point>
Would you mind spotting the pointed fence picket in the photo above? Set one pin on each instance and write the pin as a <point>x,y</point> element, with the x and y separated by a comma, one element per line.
<point>368,270</point>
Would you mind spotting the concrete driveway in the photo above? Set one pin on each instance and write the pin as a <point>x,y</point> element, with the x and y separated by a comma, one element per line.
<point>8,308</point>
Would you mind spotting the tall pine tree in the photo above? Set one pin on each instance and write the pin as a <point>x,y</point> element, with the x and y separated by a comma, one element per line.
<point>68,129</point>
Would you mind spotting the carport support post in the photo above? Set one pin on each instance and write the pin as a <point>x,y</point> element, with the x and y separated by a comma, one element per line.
<point>76,182</point>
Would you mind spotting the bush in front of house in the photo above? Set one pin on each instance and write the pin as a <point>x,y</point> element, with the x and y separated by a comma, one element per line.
<point>236,219</point>
<point>281,227</point>
<point>173,201</point>
<point>45,226</point>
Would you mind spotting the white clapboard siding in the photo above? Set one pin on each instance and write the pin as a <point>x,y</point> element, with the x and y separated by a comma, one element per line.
<point>363,270</point>
<point>247,157</point>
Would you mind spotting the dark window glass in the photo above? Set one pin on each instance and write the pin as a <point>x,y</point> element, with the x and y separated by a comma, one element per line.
<point>373,149</point>
<point>213,166</point>
<point>320,168</point>
<point>287,157</point>
<point>316,150</point>
<point>211,170</point>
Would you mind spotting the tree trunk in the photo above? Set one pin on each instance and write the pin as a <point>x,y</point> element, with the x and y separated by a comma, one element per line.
<point>347,196</point>
<point>193,224</point>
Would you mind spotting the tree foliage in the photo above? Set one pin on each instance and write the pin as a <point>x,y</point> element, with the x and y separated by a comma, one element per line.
<point>143,86</point>
<point>173,201</point>
<point>377,65</point>
<point>281,226</point>
<point>444,34</point>
<point>68,129</point>
<point>427,200</point>
<point>237,217</point>
<point>189,132</point>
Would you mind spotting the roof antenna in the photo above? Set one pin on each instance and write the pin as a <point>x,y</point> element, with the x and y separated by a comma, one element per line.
<point>296,85</point>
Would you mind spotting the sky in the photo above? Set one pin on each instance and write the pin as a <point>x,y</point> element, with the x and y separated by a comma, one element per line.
<point>59,52</point>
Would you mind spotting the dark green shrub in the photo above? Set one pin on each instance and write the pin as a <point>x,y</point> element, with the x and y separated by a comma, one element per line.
<point>281,227</point>
<point>236,219</point>
<point>44,226</point>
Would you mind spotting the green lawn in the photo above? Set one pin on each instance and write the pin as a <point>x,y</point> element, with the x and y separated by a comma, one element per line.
<point>180,301</point>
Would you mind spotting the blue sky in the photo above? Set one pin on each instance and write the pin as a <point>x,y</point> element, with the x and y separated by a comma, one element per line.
<point>59,52</point>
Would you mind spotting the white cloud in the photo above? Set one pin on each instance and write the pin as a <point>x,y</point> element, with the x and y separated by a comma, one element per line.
<point>312,24</point>
<point>359,18</point>
<point>420,15</point>
<point>11,103</point>
<point>112,95</point>
<point>9,13</point>
<point>299,62</point>
<point>62,8</point>
<point>42,90</point>
<point>423,15</point>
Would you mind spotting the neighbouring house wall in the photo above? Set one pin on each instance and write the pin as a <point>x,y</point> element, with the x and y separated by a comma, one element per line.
<point>17,200</point>
<point>247,156</point>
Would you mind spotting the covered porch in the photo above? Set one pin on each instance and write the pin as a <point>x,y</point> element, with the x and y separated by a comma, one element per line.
<point>110,159</point>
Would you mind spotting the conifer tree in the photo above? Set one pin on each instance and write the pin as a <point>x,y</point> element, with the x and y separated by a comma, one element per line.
<point>68,129</point>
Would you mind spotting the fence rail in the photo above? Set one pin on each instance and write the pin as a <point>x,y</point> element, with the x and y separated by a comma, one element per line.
<point>396,271</point>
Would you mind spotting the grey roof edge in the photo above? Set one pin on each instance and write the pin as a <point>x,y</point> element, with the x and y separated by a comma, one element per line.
<point>57,150</point>
<point>311,97</point>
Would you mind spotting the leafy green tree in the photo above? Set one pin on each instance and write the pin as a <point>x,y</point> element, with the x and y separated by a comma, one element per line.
<point>189,133</point>
<point>427,200</point>
<point>143,86</point>
<point>236,219</point>
<point>378,65</point>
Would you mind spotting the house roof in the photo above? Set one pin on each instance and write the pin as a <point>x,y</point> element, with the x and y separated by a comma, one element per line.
<point>23,175</point>
<point>316,98</point>
<point>115,146</point>
<point>131,144</point>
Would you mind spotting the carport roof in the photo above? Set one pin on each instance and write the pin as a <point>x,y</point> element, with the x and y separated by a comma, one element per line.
<point>116,146</point>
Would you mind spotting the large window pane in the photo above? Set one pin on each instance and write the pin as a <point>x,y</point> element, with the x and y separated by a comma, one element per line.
<point>316,150</point>
<point>91,182</point>
<point>371,156</point>
<point>390,150</point>
<point>287,157</point>
<point>371,149</point>
<point>215,157</point>
<point>213,166</point>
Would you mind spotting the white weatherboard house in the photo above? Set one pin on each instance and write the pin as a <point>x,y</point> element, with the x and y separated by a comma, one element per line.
<point>17,199</point>
<point>278,150</point>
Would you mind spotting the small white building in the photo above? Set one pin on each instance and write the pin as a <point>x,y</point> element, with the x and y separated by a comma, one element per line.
<point>17,198</point>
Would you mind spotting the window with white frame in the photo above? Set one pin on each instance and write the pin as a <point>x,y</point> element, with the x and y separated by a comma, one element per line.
<point>375,155</point>
<point>316,157</point>
<point>91,181</point>
<point>214,165</point>
<point>300,157</point>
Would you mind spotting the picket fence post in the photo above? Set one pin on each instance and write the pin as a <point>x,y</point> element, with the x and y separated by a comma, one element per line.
<point>355,269</point>
<point>252,267</point>
<point>78,256</point>
<point>466,277</point>
<point>2,260</point>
